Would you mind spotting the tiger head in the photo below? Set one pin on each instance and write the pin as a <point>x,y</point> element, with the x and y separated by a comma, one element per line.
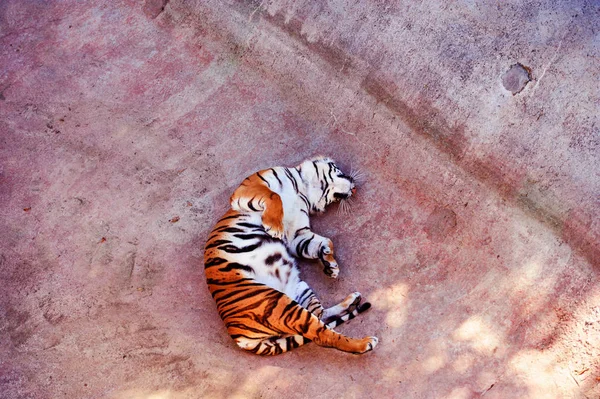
<point>325,182</point>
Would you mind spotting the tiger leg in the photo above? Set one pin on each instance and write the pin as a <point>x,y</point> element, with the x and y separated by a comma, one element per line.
<point>254,196</point>
<point>296,319</point>
<point>287,323</point>
<point>346,310</point>
<point>338,314</point>
<point>308,300</point>
<point>274,345</point>
<point>277,345</point>
<point>309,245</point>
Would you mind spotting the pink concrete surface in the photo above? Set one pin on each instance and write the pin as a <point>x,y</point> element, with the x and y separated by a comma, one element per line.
<point>125,126</point>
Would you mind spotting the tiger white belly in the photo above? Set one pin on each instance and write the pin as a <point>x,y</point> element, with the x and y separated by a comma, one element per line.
<point>272,263</point>
<point>276,268</point>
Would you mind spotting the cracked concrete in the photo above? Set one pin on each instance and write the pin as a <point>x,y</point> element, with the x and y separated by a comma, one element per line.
<point>125,127</point>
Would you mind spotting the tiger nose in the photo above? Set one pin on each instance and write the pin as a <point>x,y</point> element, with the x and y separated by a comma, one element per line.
<point>353,190</point>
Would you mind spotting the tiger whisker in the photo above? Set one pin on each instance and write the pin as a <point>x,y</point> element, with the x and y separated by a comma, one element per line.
<point>345,206</point>
<point>357,175</point>
<point>341,208</point>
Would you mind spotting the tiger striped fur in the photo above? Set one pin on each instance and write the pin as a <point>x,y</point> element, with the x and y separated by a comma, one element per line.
<point>250,262</point>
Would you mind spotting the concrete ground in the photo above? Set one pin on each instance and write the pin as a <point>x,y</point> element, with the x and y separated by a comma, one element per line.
<point>125,126</point>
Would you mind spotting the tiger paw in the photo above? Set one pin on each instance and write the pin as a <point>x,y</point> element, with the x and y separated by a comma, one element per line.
<point>275,232</point>
<point>273,228</point>
<point>331,269</point>
<point>371,344</point>
<point>330,266</point>
<point>367,345</point>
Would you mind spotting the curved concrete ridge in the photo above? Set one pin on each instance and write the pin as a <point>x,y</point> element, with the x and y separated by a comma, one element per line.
<point>567,205</point>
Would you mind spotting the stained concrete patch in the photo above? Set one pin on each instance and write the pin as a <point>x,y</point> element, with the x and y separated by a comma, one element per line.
<point>440,223</point>
<point>516,78</point>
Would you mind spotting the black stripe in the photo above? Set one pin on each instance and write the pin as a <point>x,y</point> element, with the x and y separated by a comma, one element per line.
<point>217,233</point>
<point>230,217</point>
<point>326,186</point>
<point>214,235</point>
<point>217,243</point>
<point>263,179</point>
<point>305,200</point>
<point>289,312</point>
<point>214,262</point>
<point>300,298</point>
<point>228,229</point>
<point>273,258</point>
<point>306,324</point>
<point>249,225</point>
<point>298,248</point>
<point>299,230</point>
<point>278,349</point>
<point>305,245</point>
<point>232,249</point>
<point>248,328</point>
<point>250,205</point>
<point>234,336</point>
<point>287,343</point>
<point>330,169</point>
<point>250,236</point>
<point>232,294</point>
<point>236,266</point>
<point>292,179</point>
<point>269,309</point>
<point>316,169</point>
<point>277,177</point>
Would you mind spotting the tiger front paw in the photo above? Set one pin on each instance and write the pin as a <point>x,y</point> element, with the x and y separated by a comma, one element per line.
<point>331,269</point>
<point>273,229</point>
<point>330,266</point>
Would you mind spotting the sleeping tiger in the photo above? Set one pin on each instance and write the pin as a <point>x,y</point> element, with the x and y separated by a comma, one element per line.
<point>250,268</point>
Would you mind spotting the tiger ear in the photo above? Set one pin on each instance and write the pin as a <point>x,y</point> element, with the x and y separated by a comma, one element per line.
<point>306,170</point>
<point>249,188</point>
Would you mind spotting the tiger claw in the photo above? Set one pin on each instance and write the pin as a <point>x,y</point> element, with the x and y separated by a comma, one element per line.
<point>369,344</point>
<point>372,344</point>
<point>274,232</point>
<point>331,270</point>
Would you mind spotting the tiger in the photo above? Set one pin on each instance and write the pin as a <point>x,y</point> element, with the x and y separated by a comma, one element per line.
<point>250,261</point>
